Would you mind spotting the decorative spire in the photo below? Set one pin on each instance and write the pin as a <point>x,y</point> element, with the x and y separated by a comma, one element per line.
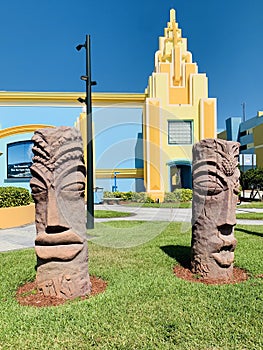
<point>173,51</point>
<point>172,37</point>
<point>172,15</point>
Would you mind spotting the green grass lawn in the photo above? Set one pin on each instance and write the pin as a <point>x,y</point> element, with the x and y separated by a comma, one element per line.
<point>160,205</point>
<point>187,205</point>
<point>251,205</point>
<point>250,216</point>
<point>99,214</point>
<point>144,306</point>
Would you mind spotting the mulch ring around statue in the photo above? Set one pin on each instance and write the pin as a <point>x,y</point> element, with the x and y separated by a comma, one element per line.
<point>183,272</point>
<point>28,295</point>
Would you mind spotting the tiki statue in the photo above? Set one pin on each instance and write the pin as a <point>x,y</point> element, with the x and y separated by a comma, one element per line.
<point>57,185</point>
<point>215,194</point>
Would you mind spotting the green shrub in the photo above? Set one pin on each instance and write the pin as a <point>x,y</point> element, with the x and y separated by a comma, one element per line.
<point>107,194</point>
<point>138,197</point>
<point>179,195</point>
<point>141,197</point>
<point>183,194</point>
<point>123,195</point>
<point>170,197</point>
<point>126,196</point>
<point>14,197</point>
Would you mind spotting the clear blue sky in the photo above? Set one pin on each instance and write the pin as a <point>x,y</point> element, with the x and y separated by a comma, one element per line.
<point>38,40</point>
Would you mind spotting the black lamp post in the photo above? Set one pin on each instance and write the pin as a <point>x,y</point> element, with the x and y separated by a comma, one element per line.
<point>87,101</point>
<point>114,188</point>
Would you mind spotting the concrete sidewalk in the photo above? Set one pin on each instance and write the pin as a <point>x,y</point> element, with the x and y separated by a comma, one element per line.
<point>24,236</point>
<point>17,238</point>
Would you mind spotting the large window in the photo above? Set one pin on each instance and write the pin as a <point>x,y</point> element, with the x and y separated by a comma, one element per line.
<point>19,159</point>
<point>180,132</point>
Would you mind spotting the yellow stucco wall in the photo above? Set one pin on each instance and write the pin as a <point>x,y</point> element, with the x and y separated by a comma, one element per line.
<point>153,138</point>
<point>208,122</point>
<point>258,144</point>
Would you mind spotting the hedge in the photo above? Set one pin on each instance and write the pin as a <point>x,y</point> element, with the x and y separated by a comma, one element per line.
<point>179,195</point>
<point>14,197</point>
<point>139,197</point>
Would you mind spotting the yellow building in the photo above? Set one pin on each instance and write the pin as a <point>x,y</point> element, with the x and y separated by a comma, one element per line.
<point>177,114</point>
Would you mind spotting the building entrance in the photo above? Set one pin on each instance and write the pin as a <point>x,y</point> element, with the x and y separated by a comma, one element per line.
<point>180,176</point>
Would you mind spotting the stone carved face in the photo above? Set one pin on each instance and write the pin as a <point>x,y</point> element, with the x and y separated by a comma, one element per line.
<point>57,186</point>
<point>216,187</point>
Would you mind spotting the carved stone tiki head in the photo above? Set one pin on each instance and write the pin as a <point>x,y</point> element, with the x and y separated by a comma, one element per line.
<point>57,185</point>
<point>215,194</point>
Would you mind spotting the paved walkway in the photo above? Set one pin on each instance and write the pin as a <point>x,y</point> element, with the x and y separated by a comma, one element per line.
<point>24,236</point>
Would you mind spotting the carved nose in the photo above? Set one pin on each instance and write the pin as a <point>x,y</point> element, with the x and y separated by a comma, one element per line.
<point>55,219</point>
<point>228,212</point>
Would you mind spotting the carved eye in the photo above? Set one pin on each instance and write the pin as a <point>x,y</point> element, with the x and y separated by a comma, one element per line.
<point>214,190</point>
<point>74,187</point>
<point>38,187</point>
<point>207,187</point>
<point>37,190</point>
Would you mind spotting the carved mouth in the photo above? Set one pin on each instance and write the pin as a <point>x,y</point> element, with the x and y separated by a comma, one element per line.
<point>64,246</point>
<point>224,258</point>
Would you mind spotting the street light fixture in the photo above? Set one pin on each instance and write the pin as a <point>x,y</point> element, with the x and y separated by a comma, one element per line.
<point>80,46</point>
<point>81,100</point>
<point>87,101</point>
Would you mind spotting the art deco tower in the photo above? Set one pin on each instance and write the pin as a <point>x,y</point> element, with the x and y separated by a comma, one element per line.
<point>177,114</point>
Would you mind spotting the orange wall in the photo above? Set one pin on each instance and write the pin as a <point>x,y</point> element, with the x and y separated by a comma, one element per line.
<point>179,94</point>
<point>154,145</point>
<point>209,126</point>
<point>17,216</point>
